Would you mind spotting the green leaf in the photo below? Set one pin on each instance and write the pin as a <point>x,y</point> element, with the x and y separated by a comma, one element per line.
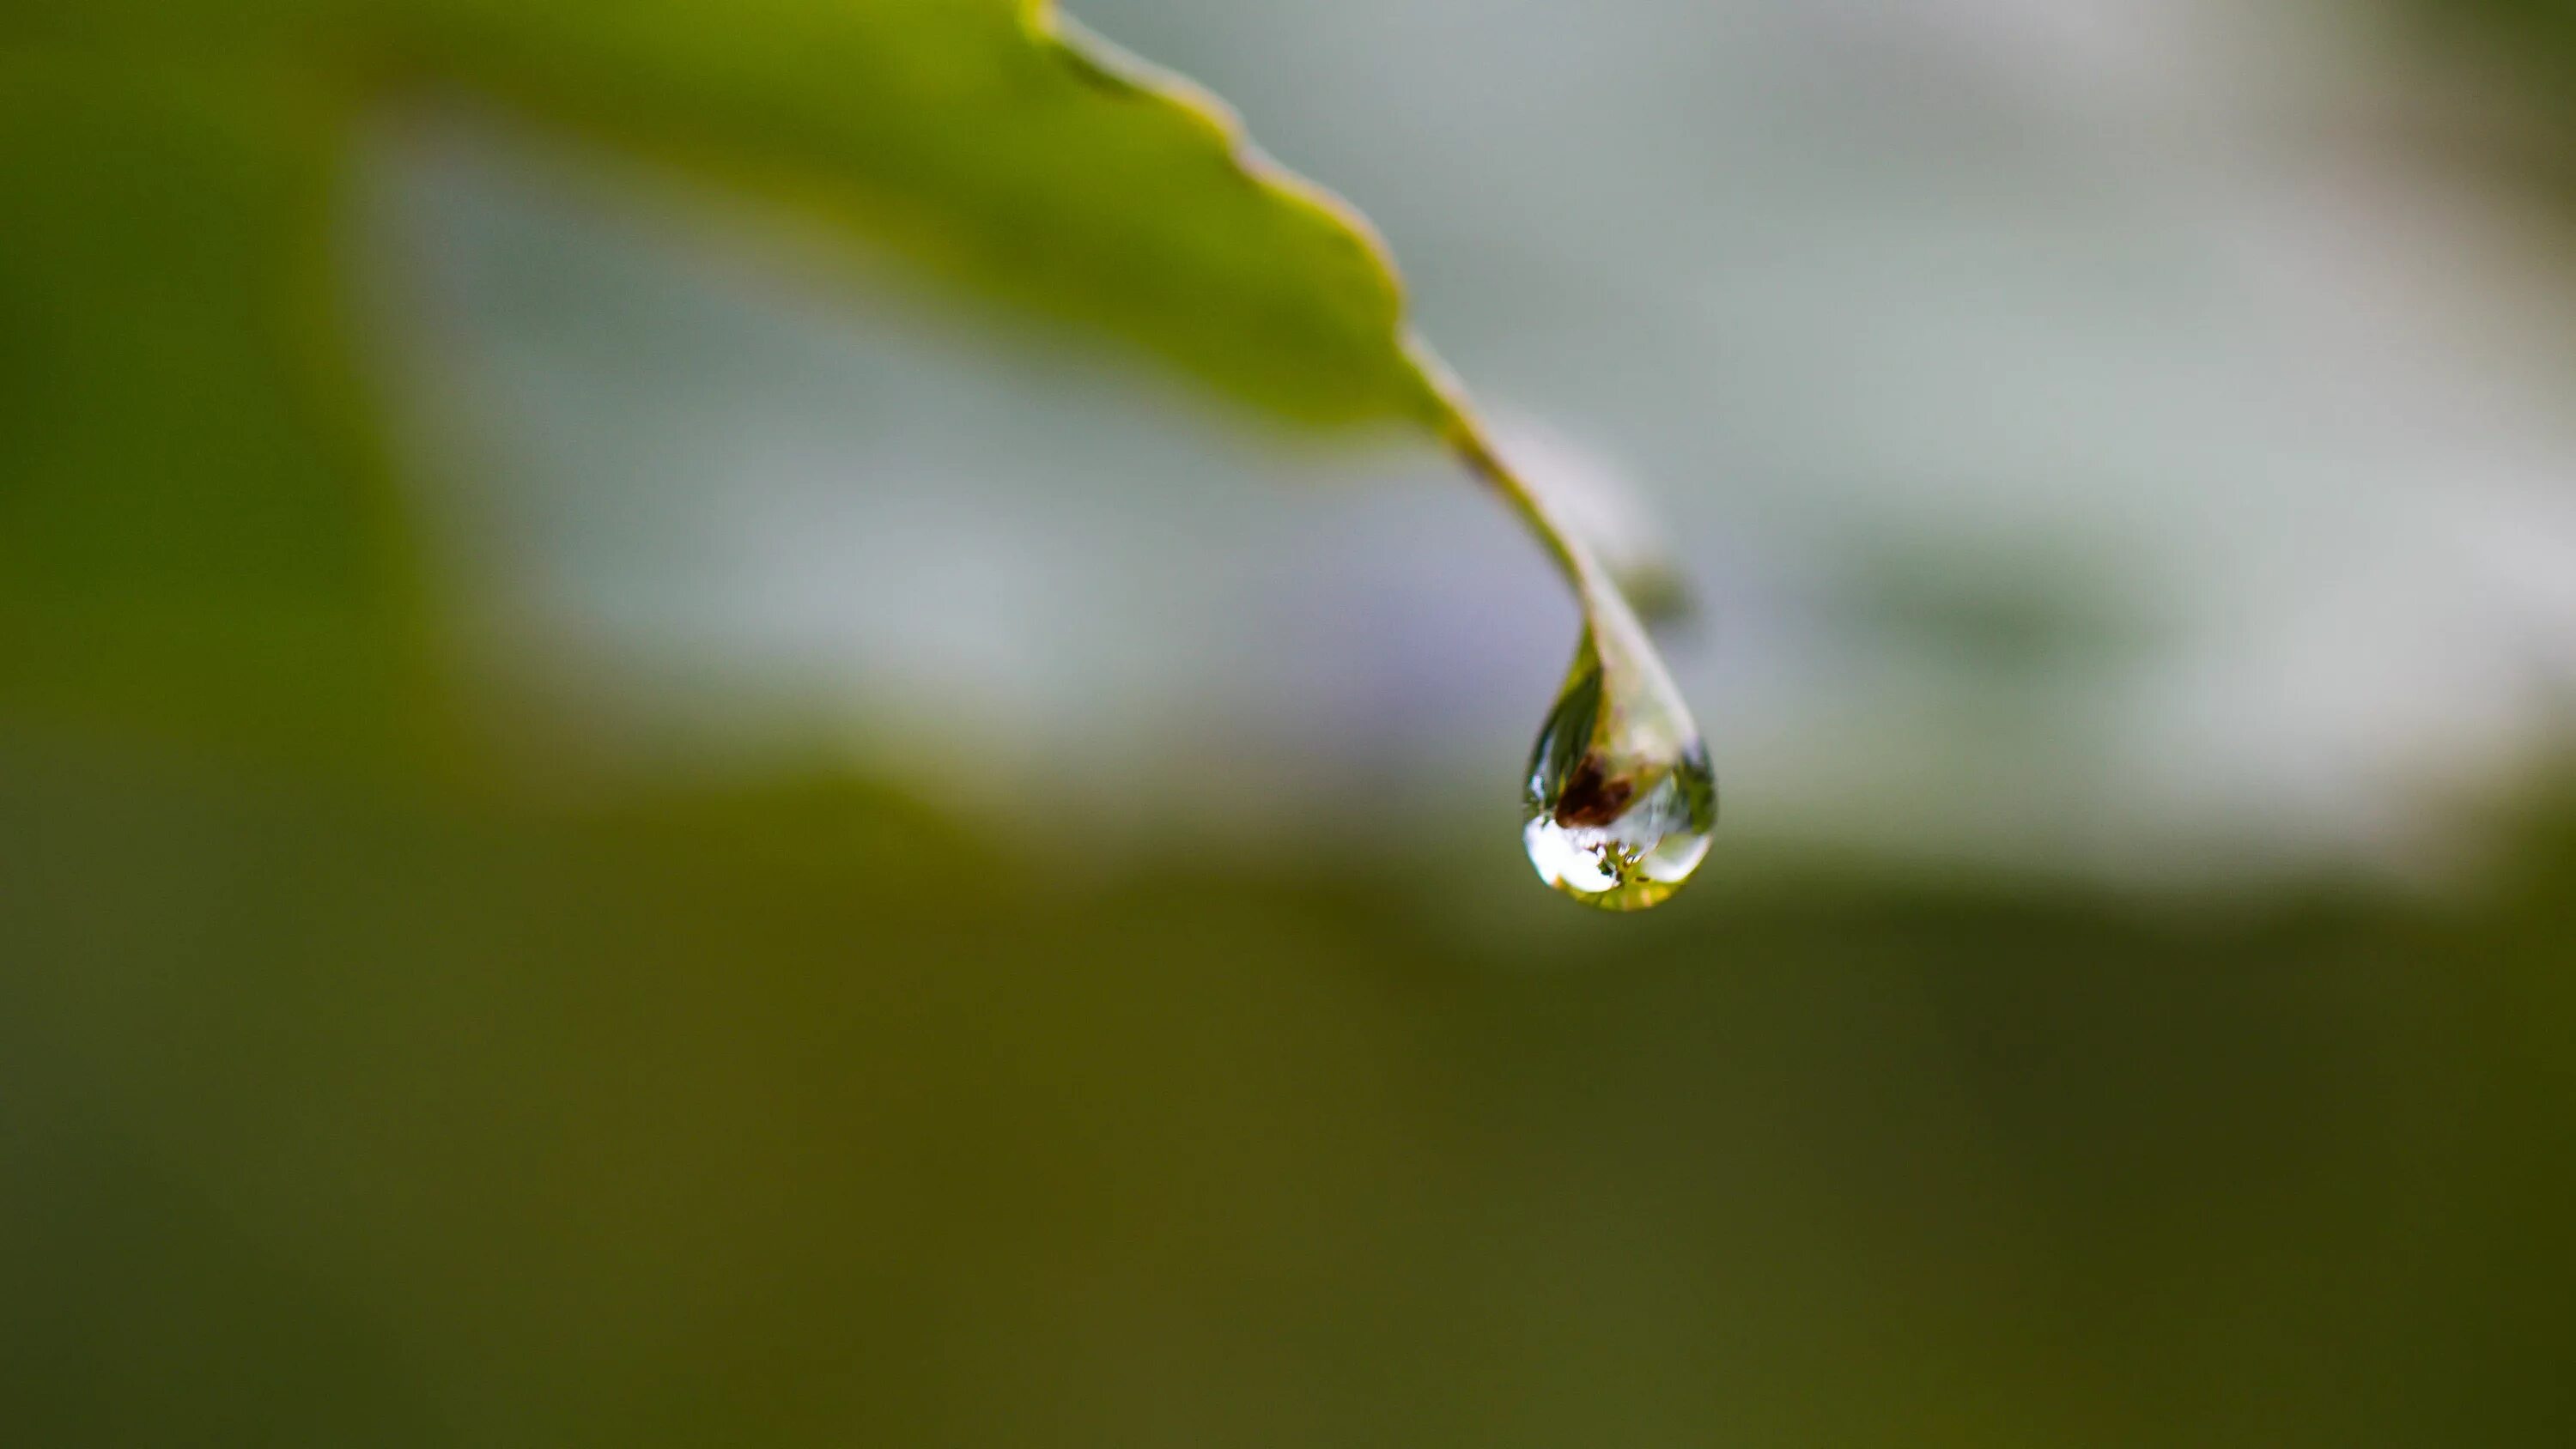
<point>207,487</point>
<point>198,529</point>
<point>996,145</point>
<point>990,141</point>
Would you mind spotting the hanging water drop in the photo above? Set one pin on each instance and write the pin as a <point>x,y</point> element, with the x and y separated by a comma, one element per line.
<point>1620,802</point>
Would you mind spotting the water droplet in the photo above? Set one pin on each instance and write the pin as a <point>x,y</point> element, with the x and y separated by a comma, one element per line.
<point>1621,801</point>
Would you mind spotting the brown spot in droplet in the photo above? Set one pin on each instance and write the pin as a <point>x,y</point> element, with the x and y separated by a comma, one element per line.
<point>1591,798</point>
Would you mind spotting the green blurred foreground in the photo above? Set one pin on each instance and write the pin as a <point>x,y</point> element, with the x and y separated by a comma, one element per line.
<point>791,1117</point>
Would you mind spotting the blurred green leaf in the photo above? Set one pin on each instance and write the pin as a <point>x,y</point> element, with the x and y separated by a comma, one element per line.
<point>990,140</point>
<point>993,142</point>
<point>197,527</point>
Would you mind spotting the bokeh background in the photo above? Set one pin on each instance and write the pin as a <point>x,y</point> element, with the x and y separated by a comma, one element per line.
<point>942,885</point>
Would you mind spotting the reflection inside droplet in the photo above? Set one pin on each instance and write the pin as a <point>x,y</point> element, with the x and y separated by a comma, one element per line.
<point>1621,801</point>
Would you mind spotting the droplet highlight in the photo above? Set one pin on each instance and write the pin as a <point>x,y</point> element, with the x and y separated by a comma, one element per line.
<point>1621,801</point>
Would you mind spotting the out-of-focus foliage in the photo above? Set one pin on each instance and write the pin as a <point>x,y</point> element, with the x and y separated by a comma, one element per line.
<point>197,528</point>
<point>984,138</point>
<point>2538,33</point>
<point>796,1118</point>
<point>2523,65</point>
